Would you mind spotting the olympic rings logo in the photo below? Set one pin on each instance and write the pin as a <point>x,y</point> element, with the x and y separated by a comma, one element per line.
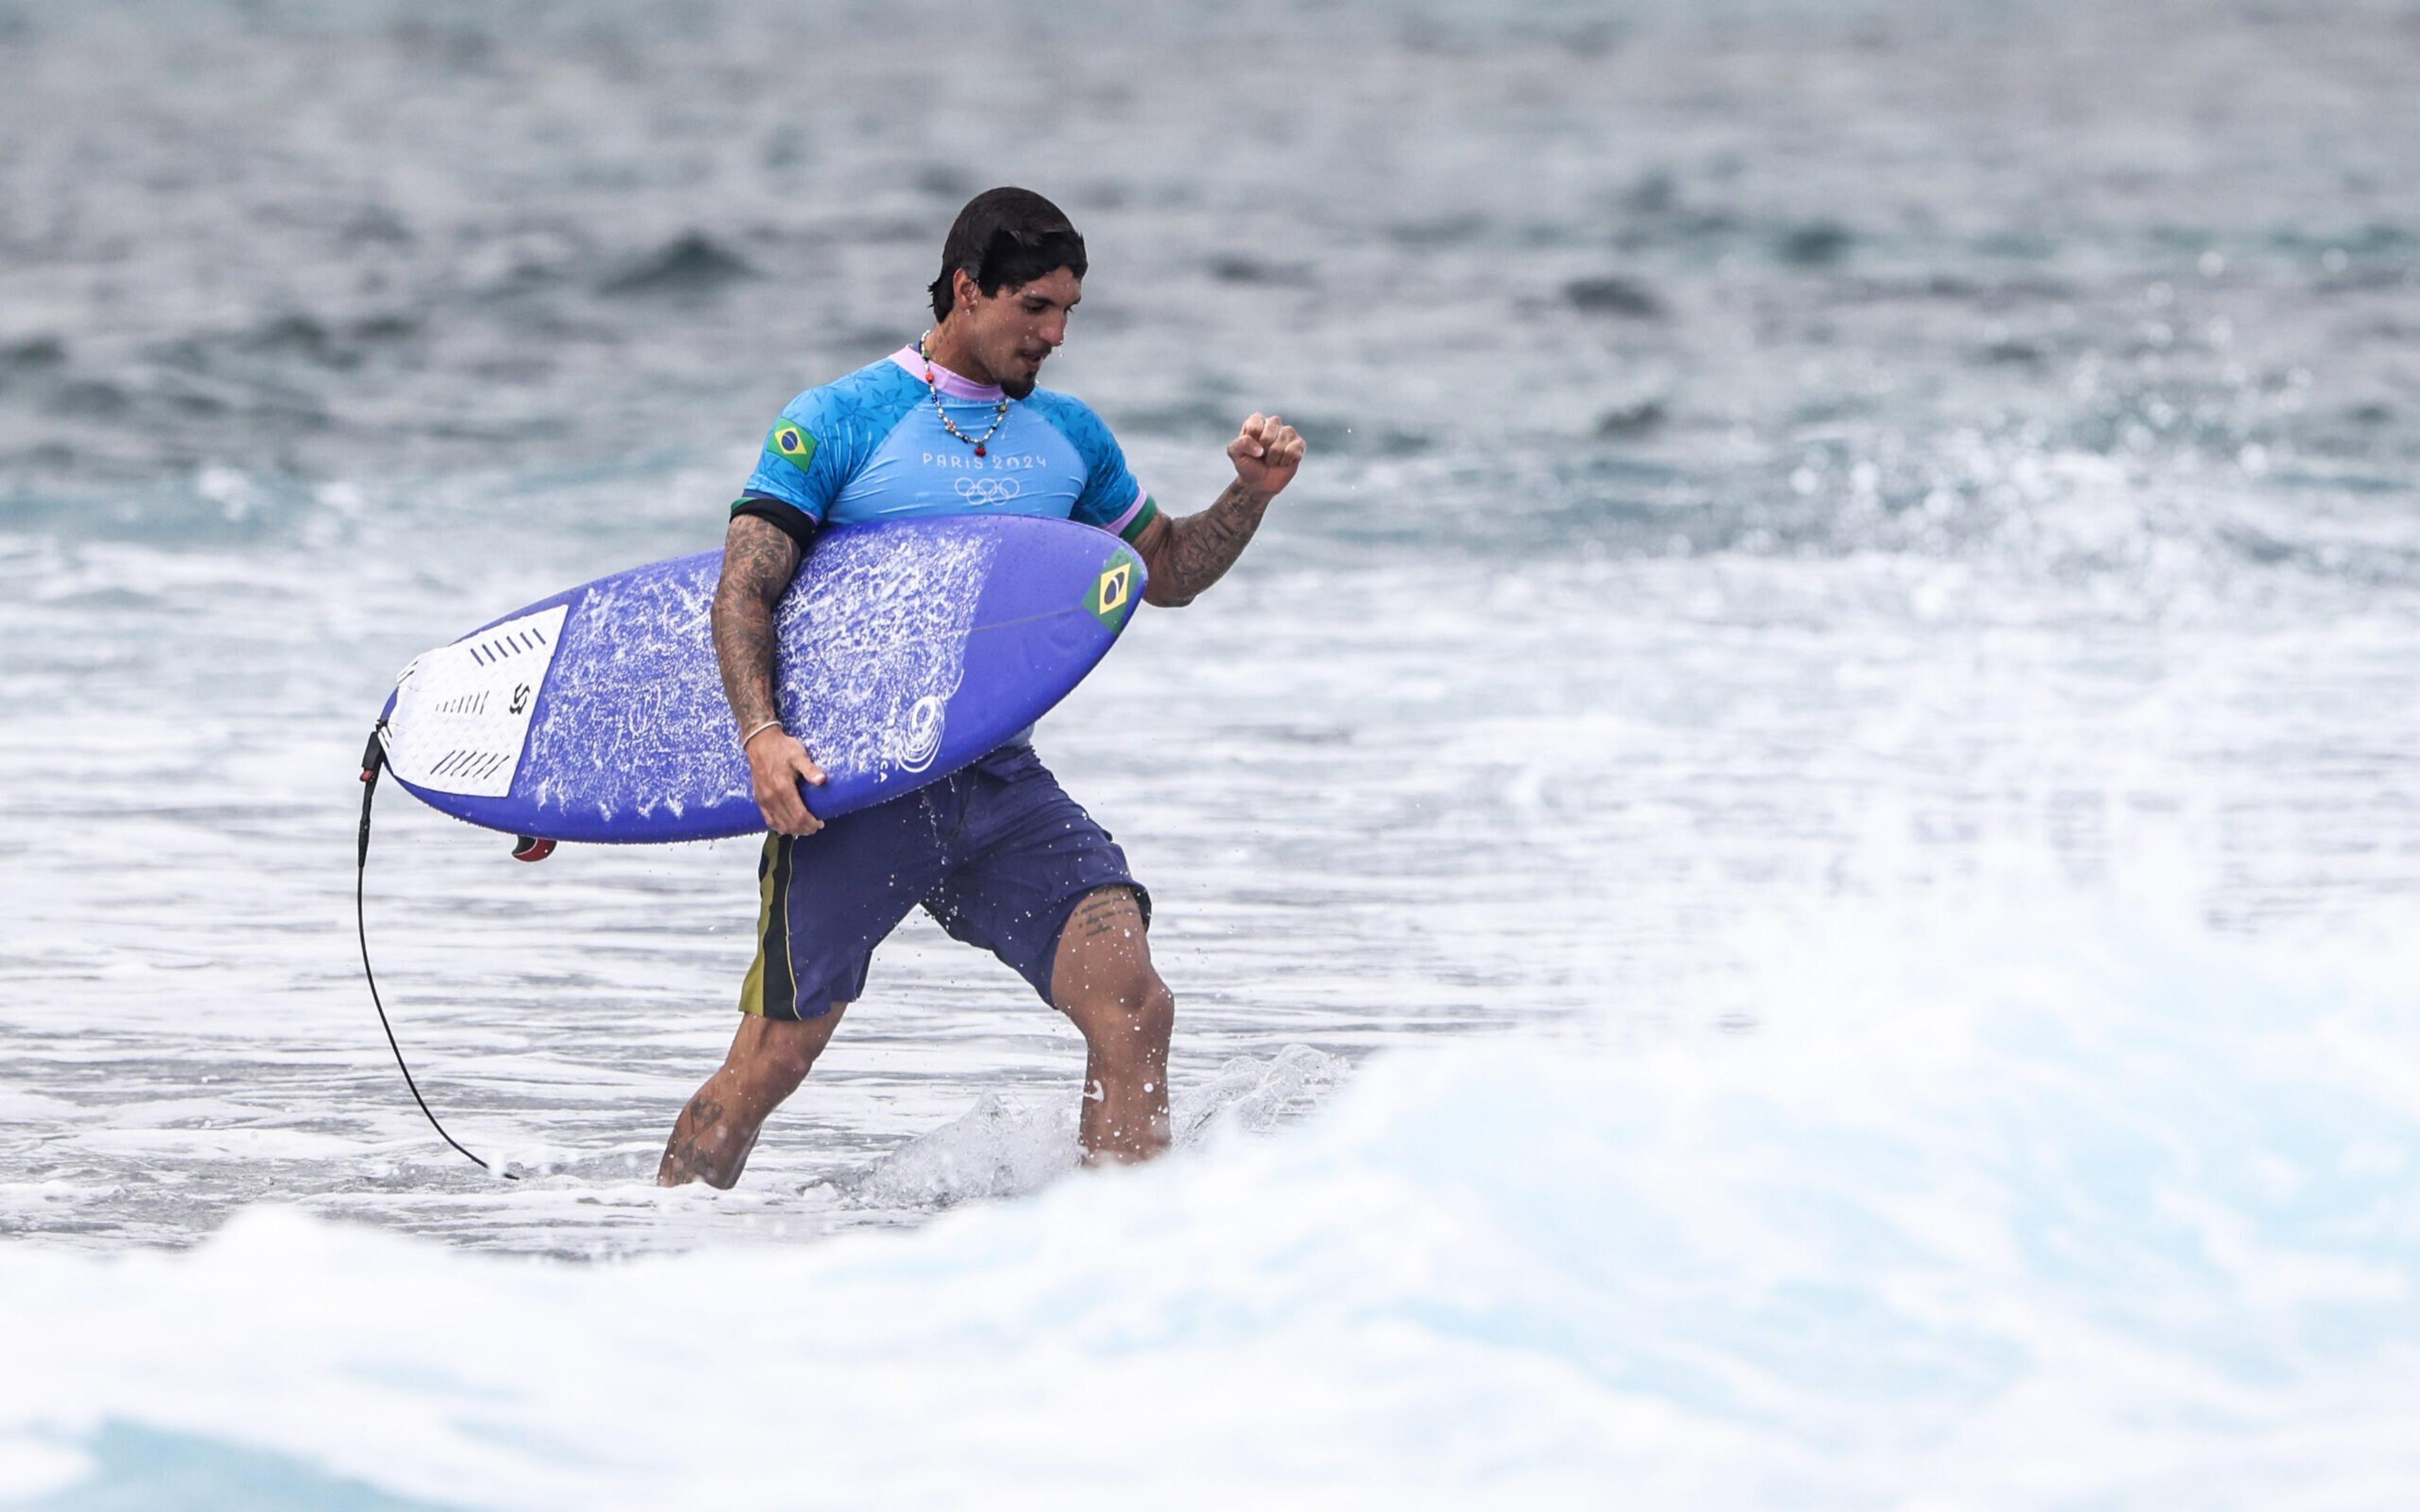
<point>980,491</point>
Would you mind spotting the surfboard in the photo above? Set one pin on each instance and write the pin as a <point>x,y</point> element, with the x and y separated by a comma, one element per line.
<point>906,649</point>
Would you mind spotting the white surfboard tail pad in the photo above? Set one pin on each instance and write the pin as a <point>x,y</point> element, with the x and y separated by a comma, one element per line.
<point>463,712</point>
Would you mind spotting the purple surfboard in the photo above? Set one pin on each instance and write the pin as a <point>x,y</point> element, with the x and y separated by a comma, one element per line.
<point>906,650</point>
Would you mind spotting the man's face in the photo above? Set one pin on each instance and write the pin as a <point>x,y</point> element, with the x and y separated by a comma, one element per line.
<point>1013,331</point>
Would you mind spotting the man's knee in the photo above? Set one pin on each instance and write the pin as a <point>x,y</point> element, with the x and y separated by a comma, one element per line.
<point>786,1062</point>
<point>780,1052</point>
<point>1153,1012</point>
<point>1132,1016</point>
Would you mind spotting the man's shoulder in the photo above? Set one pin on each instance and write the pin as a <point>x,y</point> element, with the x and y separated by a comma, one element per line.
<point>881,390</point>
<point>1074,419</point>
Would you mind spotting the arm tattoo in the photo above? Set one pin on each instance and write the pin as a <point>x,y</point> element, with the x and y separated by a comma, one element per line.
<point>1201,547</point>
<point>759,558</point>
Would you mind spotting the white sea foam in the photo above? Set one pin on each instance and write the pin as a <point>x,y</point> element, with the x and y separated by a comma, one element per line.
<point>1004,1148</point>
<point>2055,1210</point>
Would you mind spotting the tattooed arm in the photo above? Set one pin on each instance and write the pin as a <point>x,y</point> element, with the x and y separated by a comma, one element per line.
<point>759,558</point>
<point>1185,556</point>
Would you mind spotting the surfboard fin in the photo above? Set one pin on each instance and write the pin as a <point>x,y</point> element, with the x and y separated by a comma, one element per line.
<point>531,848</point>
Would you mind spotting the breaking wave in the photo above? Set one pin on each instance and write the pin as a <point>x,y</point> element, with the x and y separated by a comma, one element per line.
<point>1970,1192</point>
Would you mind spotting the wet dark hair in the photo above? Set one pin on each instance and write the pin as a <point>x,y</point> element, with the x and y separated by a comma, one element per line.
<point>1003,237</point>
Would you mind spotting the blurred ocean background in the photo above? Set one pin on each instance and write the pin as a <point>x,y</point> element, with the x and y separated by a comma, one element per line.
<point>1792,868</point>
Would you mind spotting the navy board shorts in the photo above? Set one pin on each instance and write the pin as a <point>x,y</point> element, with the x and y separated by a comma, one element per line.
<point>996,852</point>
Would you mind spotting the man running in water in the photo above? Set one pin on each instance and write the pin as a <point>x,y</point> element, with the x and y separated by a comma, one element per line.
<point>951,425</point>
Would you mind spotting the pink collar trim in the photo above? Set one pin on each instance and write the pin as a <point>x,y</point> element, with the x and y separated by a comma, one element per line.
<point>945,381</point>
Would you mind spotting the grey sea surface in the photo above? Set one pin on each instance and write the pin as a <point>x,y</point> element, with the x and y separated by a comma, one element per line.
<point>1763,454</point>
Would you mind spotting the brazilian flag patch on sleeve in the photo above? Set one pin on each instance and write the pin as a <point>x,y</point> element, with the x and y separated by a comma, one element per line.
<point>792,444</point>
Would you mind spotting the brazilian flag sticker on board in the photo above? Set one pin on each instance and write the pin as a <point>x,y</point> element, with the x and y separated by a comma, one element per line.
<point>792,444</point>
<point>1112,595</point>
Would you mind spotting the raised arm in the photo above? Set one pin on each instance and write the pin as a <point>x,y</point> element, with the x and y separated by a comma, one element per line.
<point>1185,556</point>
<point>759,558</point>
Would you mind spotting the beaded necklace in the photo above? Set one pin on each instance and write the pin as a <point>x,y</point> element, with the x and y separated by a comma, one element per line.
<point>998,417</point>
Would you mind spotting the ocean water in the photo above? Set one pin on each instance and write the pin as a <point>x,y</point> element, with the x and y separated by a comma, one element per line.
<point>1788,867</point>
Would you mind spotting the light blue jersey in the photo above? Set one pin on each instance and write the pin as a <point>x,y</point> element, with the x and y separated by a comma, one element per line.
<point>871,446</point>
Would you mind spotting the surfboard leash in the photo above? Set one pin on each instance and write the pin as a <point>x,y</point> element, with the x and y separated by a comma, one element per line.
<point>374,762</point>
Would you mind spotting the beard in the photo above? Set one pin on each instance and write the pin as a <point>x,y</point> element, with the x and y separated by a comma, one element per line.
<point>1019,388</point>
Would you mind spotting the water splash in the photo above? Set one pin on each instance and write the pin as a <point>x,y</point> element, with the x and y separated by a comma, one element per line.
<point>1006,1147</point>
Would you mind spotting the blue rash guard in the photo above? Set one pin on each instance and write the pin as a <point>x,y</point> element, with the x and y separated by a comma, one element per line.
<point>871,446</point>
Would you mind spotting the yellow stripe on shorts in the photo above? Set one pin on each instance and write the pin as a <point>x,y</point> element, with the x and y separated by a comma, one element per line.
<point>771,913</point>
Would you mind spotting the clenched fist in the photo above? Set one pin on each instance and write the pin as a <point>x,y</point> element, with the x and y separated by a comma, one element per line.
<point>1266,452</point>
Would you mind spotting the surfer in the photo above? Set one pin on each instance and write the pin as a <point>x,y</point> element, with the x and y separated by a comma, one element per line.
<point>1002,859</point>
